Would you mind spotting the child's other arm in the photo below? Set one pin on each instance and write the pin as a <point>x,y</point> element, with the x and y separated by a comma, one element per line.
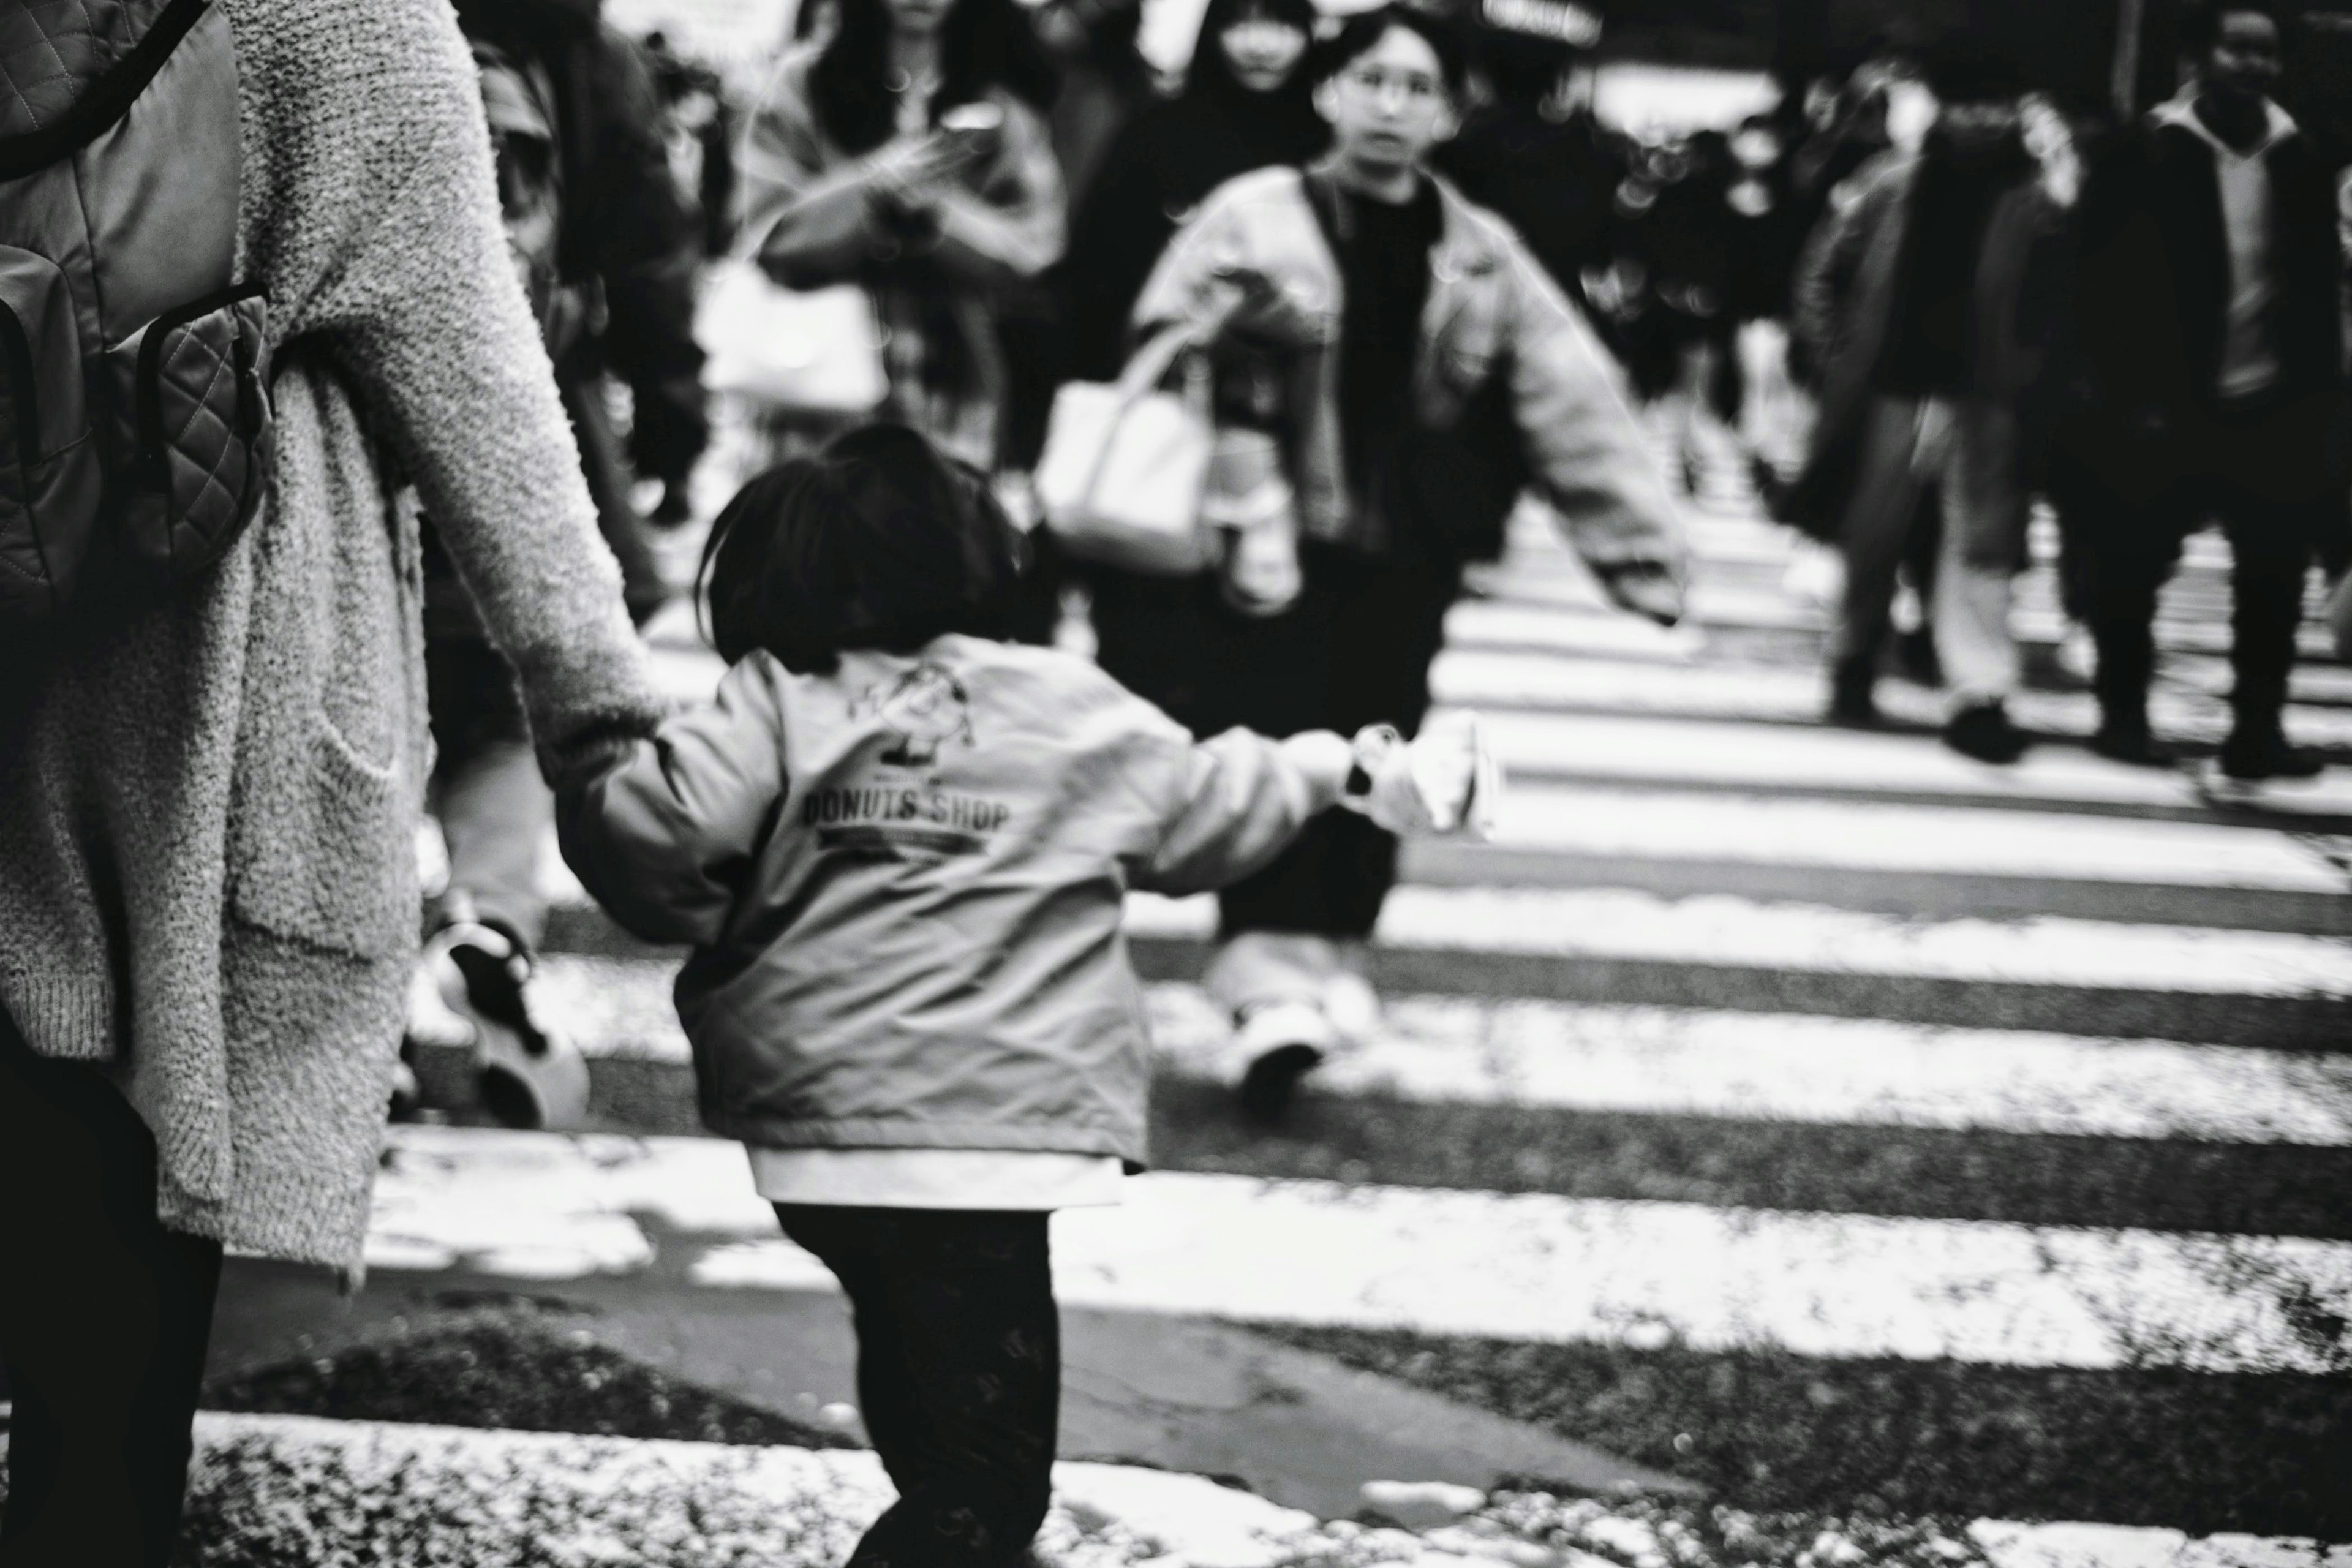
<point>1236,803</point>
<point>665,838</point>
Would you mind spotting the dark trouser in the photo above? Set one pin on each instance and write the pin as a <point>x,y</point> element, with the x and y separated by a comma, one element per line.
<point>104,1318</point>
<point>959,1373</point>
<point>495,808</point>
<point>1355,650</point>
<point>2261,473</point>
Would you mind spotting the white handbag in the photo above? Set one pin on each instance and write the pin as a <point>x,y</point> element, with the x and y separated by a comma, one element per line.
<point>816,351</point>
<point>1126,466</point>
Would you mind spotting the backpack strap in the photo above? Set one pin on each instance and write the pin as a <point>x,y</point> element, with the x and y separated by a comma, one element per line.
<point>105,98</point>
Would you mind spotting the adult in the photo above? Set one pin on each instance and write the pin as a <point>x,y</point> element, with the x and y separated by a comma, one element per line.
<point>1433,372</point>
<point>1918,303</point>
<point>207,807</point>
<point>1105,81</point>
<point>2212,375</point>
<point>1247,104</point>
<point>626,247</point>
<point>1534,154</point>
<point>848,177</point>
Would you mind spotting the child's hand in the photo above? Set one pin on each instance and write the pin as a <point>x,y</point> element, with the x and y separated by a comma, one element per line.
<point>1444,782</point>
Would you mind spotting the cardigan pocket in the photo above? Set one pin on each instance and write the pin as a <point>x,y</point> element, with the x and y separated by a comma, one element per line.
<point>334,865</point>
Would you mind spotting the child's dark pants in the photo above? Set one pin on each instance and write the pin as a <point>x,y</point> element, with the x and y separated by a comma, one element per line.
<point>959,1372</point>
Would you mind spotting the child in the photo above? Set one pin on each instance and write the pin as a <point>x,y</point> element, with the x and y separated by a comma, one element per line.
<point>900,847</point>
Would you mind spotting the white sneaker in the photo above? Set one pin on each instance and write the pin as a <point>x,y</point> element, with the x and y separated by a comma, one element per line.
<point>1282,1042</point>
<point>532,1074</point>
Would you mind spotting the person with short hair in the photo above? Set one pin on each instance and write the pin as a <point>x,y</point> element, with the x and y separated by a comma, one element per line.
<point>2212,377</point>
<point>1918,301</point>
<point>900,846</point>
<point>1429,370</point>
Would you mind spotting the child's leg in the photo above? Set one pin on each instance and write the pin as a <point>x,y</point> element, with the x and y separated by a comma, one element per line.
<point>959,1360</point>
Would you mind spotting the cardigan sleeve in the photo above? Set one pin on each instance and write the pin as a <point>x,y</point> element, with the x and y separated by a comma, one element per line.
<point>429,315</point>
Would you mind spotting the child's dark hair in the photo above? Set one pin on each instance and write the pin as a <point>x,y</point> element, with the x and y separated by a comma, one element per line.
<point>878,542</point>
<point>1362,33</point>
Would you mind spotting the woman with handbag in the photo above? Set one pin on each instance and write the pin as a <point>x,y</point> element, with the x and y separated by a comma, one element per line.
<point>1247,104</point>
<point>900,154</point>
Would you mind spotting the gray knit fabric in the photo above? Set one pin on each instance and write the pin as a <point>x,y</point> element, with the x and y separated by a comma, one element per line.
<point>207,824</point>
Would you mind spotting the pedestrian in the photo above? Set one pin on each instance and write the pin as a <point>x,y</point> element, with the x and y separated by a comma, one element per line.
<point>1105,81</point>
<point>607,252</point>
<point>208,800</point>
<point>849,177</point>
<point>1918,296</point>
<point>1431,370</point>
<point>2212,369</point>
<point>899,847</point>
<point>1534,154</point>
<point>627,249</point>
<point>1247,104</point>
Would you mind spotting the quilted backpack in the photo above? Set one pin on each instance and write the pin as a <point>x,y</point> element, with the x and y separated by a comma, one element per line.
<point>134,415</point>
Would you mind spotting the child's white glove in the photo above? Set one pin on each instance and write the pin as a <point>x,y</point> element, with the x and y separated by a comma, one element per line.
<point>1443,782</point>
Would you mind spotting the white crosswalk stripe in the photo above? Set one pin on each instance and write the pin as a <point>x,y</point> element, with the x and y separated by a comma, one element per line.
<point>1572,1056</point>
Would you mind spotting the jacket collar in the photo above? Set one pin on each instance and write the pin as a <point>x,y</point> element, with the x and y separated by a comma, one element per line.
<point>1465,248</point>
<point>2180,111</point>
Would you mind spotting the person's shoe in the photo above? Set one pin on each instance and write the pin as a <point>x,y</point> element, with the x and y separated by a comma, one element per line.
<point>2134,745</point>
<point>1852,705</point>
<point>2265,755</point>
<point>531,1075</point>
<point>1985,733</point>
<point>1284,1041</point>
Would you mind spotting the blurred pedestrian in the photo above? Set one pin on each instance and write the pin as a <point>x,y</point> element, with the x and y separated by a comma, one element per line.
<point>628,250</point>
<point>899,844</point>
<point>1247,104</point>
<point>2212,364</point>
<point>208,802</point>
<point>1534,154</point>
<point>850,176</point>
<point>1105,81</point>
<point>1431,370</point>
<point>1920,292</point>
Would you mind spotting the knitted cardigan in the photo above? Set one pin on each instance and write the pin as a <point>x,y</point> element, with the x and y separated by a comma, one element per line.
<point>207,863</point>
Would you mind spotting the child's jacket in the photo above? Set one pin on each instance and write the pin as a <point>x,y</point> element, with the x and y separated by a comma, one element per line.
<point>903,882</point>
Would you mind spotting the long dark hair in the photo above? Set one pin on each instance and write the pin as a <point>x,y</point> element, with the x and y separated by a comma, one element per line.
<point>983,44</point>
<point>879,541</point>
<point>1210,78</point>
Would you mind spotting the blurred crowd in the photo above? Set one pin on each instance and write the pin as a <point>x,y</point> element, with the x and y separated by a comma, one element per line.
<point>1900,309</point>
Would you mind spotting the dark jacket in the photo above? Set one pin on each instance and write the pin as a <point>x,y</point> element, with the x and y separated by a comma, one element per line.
<point>1164,163</point>
<point>2155,281</point>
<point>1847,293</point>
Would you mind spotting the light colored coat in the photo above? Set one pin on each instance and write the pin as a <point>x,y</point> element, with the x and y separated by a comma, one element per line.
<point>811,215</point>
<point>1508,373</point>
<point>207,866</point>
<point>904,882</point>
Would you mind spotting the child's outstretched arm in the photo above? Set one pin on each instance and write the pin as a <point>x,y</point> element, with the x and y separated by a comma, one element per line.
<point>1243,798</point>
<point>664,838</point>
<point>1240,800</point>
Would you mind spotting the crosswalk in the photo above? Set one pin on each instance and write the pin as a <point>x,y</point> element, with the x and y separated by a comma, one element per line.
<point>1956,1095</point>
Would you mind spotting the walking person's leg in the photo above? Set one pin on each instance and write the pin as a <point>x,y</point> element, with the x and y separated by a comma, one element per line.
<point>959,1362</point>
<point>1294,965</point>
<point>2278,490</point>
<point>1984,511</point>
<point>1877,523</point>
<point>2270,550</point>
<point>104,1321</point>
